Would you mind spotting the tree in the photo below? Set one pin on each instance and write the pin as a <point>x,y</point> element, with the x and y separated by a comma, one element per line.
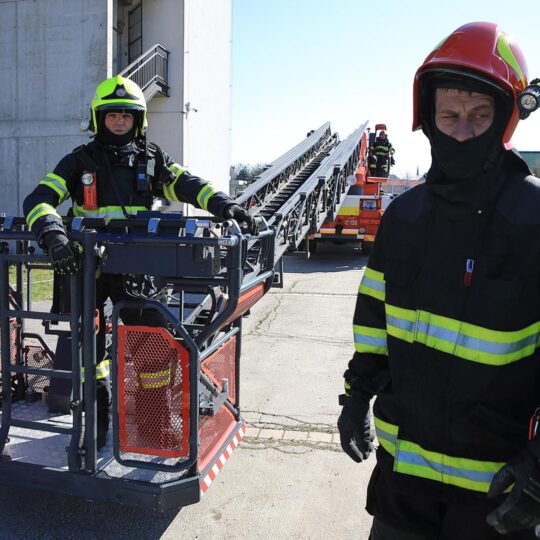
<point>242,175</point>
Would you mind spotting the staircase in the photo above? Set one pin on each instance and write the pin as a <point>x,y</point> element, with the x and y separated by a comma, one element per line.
<point>150,72</point>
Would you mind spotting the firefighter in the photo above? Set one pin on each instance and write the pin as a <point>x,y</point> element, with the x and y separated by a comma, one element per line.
<point>114,176</point>
<point>447,323</point>
<point>384,155</point>
<point>372,161</point>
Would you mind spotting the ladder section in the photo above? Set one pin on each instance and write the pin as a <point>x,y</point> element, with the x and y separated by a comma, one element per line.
<point>283,177</point>
<point>306,185</point>
<point>318,196</point>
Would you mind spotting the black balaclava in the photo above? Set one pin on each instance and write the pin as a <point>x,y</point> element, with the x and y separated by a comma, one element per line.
<point>108,138</point>
<point>455,161</point>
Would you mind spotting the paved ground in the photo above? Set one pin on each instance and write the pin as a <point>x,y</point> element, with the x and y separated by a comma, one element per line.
<point>288,478</point>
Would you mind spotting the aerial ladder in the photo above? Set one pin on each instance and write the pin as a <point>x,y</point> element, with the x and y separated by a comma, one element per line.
<point>304,187</point>
<point>176,389</point>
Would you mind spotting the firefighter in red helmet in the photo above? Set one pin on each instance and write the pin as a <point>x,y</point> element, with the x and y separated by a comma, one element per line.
<point>447,324</point>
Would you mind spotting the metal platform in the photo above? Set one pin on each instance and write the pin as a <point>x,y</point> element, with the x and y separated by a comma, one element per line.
<point>36,459</point>
<point>48,449</point>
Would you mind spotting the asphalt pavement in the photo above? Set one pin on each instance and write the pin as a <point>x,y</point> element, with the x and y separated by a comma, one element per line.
<point>288,478</point>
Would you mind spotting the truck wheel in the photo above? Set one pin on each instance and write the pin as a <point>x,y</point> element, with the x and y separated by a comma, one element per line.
<point>366,248</point>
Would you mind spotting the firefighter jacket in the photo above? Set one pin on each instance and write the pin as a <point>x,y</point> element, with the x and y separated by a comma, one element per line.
<point>127,180</point>
<point>382,147</point>
<point>447,330</point>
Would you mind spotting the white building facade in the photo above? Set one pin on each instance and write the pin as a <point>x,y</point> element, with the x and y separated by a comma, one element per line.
<point>55,52</point>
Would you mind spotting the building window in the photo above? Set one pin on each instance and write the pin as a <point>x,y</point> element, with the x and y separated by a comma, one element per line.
<point>135,33</point>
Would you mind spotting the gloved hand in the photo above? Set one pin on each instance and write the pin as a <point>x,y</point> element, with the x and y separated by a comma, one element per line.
<point>354,431</point>
<point>63,253</point>
<point>521,508</point>
<point>392,161</point>
<point>235,211</point>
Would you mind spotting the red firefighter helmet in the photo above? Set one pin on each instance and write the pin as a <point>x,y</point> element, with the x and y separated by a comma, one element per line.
<point>479,50</point>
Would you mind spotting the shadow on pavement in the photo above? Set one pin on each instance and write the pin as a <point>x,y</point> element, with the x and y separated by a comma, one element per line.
<point>329,258</point>
<point>39,514</point>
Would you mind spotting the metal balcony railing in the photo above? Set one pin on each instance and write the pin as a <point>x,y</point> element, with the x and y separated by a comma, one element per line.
<point>150,71</point>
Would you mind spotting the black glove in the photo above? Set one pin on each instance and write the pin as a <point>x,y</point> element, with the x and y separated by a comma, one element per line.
<point>63,253</point>
<point>392,161</point>
<point>521,508</point>
<point>235,211</point>
<point>354,431</point>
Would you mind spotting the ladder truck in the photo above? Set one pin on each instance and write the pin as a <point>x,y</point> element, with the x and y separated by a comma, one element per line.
<point>359,216</point>
<point>176,411</point>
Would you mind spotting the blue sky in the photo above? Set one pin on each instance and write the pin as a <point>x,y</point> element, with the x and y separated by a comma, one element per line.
<point>300,63</point>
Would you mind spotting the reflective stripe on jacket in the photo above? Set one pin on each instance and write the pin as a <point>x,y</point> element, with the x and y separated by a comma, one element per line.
<point>455,367</point>
<point>169,180</point>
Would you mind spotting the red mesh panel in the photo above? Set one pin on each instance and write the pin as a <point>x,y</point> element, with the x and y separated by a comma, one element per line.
<point>153,392</point>
<point>213,432</point>
<point>36,356</point>
<point>246,300</point>
<point>221,365</point>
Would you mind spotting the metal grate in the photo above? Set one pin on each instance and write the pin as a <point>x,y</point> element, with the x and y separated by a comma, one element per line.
<point>153,392</point>
<point>35,356</point>
<point>220,365</point>
<point>12,349</point>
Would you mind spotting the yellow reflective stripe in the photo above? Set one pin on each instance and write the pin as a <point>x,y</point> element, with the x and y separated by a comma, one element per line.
<point>40,210</point>
<point>465,473</point>
<point>155,379</point>
<point>57,184</point>
<point>349,211</point>
<point>168,190</point>
<point>504,49</point>
<point>102,370</point>
<point>107,212</point>
<point>373,284</point>
<point>400,323</point>
<point>370,340</point>
<point>347,388</point>
<point>386,435</point>
<point>412,459</point>
<point>169,193</point>
<point>476,343</point>
<point>204,196</point>
<point>461,339</point>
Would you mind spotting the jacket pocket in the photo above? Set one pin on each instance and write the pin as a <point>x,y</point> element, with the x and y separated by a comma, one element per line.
<point>401,272</point>
<point>400,276</point>
<point>490,433</point>
<point>500,300</point>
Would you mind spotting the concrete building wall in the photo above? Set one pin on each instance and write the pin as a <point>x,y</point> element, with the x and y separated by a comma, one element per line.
<point>207,89</point>
<point>163,23</point>
<point>193,123</point>
<point>54,53</point>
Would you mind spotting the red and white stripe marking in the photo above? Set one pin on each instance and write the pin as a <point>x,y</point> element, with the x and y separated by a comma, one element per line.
<point>218,465</point>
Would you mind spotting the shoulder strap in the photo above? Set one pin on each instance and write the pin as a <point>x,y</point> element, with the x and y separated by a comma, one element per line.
<point>161,173</point>
<point>88,163</point>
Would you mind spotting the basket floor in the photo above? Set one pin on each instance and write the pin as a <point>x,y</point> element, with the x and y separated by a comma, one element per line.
<point>47,449</point>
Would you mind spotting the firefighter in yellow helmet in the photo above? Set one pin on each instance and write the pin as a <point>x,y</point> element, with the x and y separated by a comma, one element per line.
<point>116,175</point>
